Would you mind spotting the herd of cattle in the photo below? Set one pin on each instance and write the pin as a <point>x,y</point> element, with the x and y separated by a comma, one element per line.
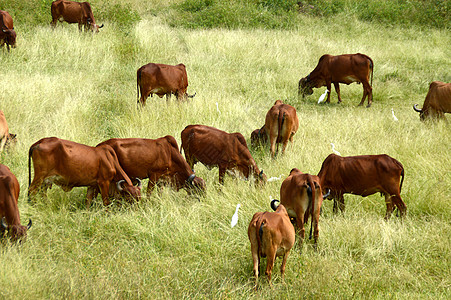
<point>116,167</point>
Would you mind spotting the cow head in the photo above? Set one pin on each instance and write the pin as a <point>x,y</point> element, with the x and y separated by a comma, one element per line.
<point>305,86</point>
<point>93,26</point>
<point>195,184</point>
<point>261,178</point>
<point>422,112</point>
<point>10,37</point>
<point>258,136</point>
<point>16,232</point>
<point>130,192</point>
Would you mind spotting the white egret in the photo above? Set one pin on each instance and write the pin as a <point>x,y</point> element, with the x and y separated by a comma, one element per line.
<point>321,98</point>
<point>333,149</point>
<point>393,114</point>
<point>235,216</point>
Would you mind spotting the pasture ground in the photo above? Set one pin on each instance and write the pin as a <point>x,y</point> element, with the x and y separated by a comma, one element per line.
<point>82,87</point>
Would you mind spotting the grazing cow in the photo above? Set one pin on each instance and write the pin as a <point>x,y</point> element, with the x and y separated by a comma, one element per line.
<point>69,164</point>
<point>214,147</point>
<point>302,196</point>
<point>162,80</point>
<point>280,125</point>
<point>9,211</point>
<point>346,68</point>
<point>437,102</point>
<point>7,32</point>
<point>364,175</point>
<point>74,12</point>
<point>4,131</point>
<point>157,159</point>
<point>271,234</point>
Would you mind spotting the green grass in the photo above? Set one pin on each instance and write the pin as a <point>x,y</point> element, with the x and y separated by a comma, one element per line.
<point>82,87</point>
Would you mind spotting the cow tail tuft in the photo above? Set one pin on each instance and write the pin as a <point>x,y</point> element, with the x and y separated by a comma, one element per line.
<point>312,198</point>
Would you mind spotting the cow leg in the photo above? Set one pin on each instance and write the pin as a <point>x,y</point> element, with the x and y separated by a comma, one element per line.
<point>271,257</point>
<point>396,199</point>
<point>337,90</point>
<point>369,92</point>
<point>221,175</point>
<point>80,27</point>
<point>168,97</point>
<point>339,203</point>
<point>104,188</point>
<point>91,194</point>
<point>284,262</point>
<point>273,139</point>
<point>390,206</point>
<point>328,86</point>
<point>2,143</point>
<point>255,254</point>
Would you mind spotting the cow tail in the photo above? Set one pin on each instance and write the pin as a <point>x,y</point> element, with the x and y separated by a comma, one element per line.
<point>138,81</point>
<point>260,236</point>
<point>30,152</point>
<point>402,177</point>
<point>311,203</point>
<point>372,69</point>
<point>282,116</point>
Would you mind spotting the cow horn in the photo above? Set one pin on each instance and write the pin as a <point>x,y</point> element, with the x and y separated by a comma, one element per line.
<point>191,178</point>
<point>327,194</point>
<point>101,26</point>
<point>3,223</point>
<point>191,96</point>
<point>139,182</point>
<point>29,224</point>
<point>273,204</point>
<point>118,185</point>
<point>416,108</point>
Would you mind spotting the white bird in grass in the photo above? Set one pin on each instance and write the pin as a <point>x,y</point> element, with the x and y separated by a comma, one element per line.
<point>321,98</point>
<point>333,149</point>
<point>393,114</point>
<point>217,107</point>
<point>235,216</point>
<point>275,178</point>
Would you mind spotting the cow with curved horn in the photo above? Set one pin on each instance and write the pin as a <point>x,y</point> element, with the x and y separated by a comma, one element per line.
<point>7,32</point>
<point>159,160</point>
<point>437,102</point>
<point>74,12</point>
<point>69,164</point>
<point>162,80</point>
<point>9,211</point>
<point>302,196</point>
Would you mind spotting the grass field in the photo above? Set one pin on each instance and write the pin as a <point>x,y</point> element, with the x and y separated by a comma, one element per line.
<point>82,87</point>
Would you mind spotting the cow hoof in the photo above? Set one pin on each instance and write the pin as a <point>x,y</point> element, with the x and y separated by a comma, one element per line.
<point>369,105</point>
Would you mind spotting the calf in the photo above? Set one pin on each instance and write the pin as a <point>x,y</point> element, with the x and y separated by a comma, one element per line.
<point>271,234</point>
<point>302,196</point>
<point>9,211</point>
<point>214,147</point>
<point>364,175</point>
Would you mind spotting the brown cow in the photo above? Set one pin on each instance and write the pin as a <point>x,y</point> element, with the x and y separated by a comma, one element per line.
<point>364,175</point>
<point>214,147</point>
<point>9,211</point>
<point>280,125</point>
<point>69,164</point>
<point>74,12</point>
<point>346,68</point>
<point>162,80</point>
<point>271,234</point>
<point>7,32</point>
<point>4,130</point>
<point>437,102</point>
<point>302,196</point>
<point>157,159</point>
